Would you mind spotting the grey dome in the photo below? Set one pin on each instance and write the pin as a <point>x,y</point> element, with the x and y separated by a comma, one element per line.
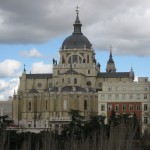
<point>76,40</point>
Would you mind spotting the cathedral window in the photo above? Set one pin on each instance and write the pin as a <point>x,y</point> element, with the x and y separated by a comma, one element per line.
<point>69,81</point>
<point>29,106</point>
<point>87,58</point>
<point>65,105</point>
<point>46,105</point>
<point>74,59</point>
<point>85,104</point>
<point>75,80</point>
<point>63,80</point>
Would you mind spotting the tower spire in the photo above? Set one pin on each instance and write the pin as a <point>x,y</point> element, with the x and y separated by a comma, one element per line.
<point>110,64</point>
<point>24,70</point>
<point>77,25</point>
<point>110,55</point>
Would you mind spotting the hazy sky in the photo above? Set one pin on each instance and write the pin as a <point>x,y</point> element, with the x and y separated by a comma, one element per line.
<point>31,33</point>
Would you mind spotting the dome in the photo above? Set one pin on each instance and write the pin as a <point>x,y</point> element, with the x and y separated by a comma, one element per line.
<point>76,40</point>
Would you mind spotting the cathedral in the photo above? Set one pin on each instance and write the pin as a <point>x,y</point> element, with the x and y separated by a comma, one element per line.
<point>44,100</point>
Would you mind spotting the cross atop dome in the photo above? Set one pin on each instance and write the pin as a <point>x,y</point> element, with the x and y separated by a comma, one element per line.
<point>77,25</point>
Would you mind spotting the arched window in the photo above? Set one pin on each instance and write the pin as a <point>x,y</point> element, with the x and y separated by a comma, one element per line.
<point>87,58</point>
<point>29,106</point>
<point>63,80</point>
<point>69,81</point>
<point>75,80</point>
<point>85,104</point>
<point>74,59</point>
<point>65,105</point>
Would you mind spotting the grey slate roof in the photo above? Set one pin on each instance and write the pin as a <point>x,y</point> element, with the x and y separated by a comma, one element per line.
<point>80,89</point>
<point>33,91</point>
<point>39,76</point>
<point>76,40</point>
<point>70,71</point>
<point>113,75</point>
<point>54,89</point>
<point>67,89</point>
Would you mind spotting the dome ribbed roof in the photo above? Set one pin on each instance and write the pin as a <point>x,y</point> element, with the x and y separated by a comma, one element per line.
<point>77,39</point>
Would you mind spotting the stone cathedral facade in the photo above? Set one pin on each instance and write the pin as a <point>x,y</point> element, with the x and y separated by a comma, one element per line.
<point>44,100</point>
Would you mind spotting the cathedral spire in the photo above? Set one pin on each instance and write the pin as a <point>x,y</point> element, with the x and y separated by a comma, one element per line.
<point>110,64</point>
<point>24,70</point>
<point>110,55</point>
<point>77,25</point>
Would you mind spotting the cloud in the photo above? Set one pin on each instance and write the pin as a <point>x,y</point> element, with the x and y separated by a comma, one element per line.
<point>31,53</point>
<point>124,24</point>
<point>9,68</point>
<point>40,67</point>
<point>7,88</point>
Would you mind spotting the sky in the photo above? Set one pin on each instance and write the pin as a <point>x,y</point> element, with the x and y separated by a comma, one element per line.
<point>32,32</point>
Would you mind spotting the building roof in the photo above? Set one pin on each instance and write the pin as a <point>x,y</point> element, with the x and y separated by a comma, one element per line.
<point>77,39</point>
<point>39,76</point>
<point>70,71</point>
<point>33,91</point>
<point>113,75</point>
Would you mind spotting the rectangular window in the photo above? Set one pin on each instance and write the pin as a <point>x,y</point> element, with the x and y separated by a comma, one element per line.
<point>145,96</point>
<point>102,107</point>
<point>131,96</point>
<point>68,80</point>
<point>85,104</point>
<point>110,89</point>
<point>138,96</point>
<point>65,104</point>
<point>109,97</point>
<point>88,71</point>
<point>87,58</point>
<point>117,107</point>
<point>145,120</point>
<point>109,107</point>
<point>124,107</point>
<point>138,107</point>
<point>145,107</point>
<point>102,97</point>
<point>123,96</point>
<point>117,96</point>
<point>46,105</point>
<point>130,107</point>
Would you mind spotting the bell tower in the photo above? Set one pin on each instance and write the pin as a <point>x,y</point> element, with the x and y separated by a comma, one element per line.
<point>110,63</point>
